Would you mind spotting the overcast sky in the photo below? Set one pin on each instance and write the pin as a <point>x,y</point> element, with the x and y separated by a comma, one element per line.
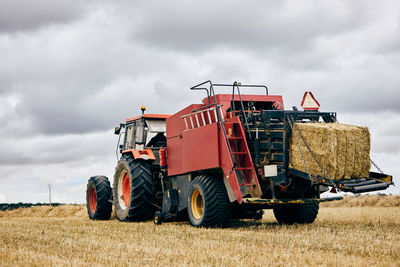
<point>72,70</point>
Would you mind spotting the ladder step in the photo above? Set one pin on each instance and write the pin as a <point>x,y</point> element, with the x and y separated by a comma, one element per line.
<point>239,153</point>
<point>276,134</point>
<point>234,137</point>
<point>277,157</point>
<point>276,126</point>
<point>243,168</point>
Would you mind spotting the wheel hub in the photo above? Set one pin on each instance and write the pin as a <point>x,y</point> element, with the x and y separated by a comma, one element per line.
<point>197,204</point>
<point>92,199</point>
<point>124,190</point>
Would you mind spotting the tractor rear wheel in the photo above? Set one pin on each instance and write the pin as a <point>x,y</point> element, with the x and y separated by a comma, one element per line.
<point>298,213</point>
<point>133,190</point>
<point>98,198</point>
<point>208,203</point>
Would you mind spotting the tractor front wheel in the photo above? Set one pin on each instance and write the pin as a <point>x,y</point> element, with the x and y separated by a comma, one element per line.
<point>133,190</point>
<point>98,198</point>
<point>298,213</point>
<point>208,203</point>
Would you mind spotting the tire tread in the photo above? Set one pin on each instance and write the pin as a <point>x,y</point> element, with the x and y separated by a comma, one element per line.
<point>141,203</point>
<point>103,198</point>
<point>217,206</point>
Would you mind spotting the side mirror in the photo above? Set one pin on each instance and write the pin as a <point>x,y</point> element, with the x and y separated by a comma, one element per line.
<point>117,130</point>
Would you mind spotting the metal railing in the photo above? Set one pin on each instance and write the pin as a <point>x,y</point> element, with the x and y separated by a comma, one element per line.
<point>210,90</point>
<point>203,116</point>
<point>211,93</point>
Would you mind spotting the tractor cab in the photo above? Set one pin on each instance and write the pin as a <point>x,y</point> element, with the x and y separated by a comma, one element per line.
<point>143,134</point>
<point>145,131</point>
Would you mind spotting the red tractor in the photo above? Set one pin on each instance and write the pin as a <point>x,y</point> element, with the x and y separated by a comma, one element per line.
<point>212,162</point>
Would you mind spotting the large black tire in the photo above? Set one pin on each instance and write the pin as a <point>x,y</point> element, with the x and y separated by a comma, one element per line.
<point>208,203</point>
<point>298,213</point>
<point>133,190</point>
<point>98,198</point>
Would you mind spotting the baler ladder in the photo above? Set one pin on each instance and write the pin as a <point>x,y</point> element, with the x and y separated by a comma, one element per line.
<point>244,168</point>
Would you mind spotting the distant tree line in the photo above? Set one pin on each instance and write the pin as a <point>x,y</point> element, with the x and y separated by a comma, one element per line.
<point>12,206</point>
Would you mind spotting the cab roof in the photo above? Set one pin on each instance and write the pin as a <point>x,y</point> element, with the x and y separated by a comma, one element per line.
<point>148,116</point>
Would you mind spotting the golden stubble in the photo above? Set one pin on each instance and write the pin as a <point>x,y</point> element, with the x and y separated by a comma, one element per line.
<point>59,236</point>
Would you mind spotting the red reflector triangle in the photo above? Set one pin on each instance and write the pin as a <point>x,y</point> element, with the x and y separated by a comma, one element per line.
<point>309,102</point>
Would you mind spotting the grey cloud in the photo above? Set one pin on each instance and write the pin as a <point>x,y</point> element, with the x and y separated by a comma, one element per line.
<point>82,86</point>
<point>42,150</point>
<point>251,25</point>
<point>20,15</point>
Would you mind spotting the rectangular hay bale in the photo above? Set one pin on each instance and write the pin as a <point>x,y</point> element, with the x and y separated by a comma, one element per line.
<point>365,159</point>
<point>343,150</point>
<point>350,153</point>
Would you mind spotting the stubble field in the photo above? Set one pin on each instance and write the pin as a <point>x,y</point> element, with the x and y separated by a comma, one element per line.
<point>353,232</point>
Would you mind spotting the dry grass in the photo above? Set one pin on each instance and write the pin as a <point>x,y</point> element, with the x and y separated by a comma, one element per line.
<point>351,236</point>
<point>78,211</point>
<point>365,201</point>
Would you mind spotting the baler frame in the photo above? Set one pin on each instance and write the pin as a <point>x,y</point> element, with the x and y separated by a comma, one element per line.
<point>375,181</point>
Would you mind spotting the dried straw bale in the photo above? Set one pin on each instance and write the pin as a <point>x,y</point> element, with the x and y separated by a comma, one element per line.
<point>342,150</point>
<point>357,153</point>
<point>341,154</point>
<point>322,141</point>
<point>350,152</point>
<point>365,159</point>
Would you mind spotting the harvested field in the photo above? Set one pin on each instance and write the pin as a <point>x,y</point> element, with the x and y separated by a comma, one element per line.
<point>351,236</point>
<point>78,211</point>
<point>365,201</point>
<point>343,150</point>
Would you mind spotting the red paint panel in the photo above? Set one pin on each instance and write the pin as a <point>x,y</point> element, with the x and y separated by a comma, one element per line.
<point>196,149</point>
<point>174,155</point>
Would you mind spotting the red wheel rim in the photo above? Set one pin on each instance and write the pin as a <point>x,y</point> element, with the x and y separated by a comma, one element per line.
<point>92,199</point>
<point>126,189</point>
